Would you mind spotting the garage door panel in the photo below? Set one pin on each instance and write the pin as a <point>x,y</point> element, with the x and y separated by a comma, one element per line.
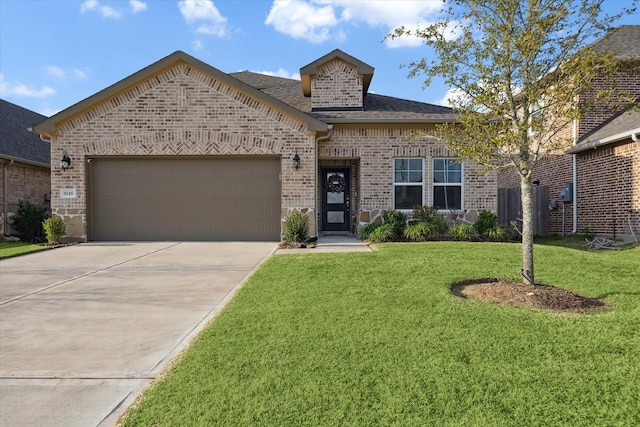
<point>185,199</point>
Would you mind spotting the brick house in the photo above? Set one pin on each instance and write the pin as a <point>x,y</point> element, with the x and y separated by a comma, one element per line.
<point>183,151</point>
<point>24,160</point>
<point>603,165</point>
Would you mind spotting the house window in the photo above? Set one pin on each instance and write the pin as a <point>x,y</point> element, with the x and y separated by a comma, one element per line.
<point>408,183</point>
<point>447,184</point>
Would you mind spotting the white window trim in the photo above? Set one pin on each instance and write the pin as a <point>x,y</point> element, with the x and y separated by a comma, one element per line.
<point>448,184</point>
<point>407,184</point>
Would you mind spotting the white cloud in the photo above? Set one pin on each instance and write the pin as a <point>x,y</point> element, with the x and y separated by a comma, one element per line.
<point>20,89</point>
<point>55,71</point>
<point>280,73</point>
<point>106,11</point>
<point>197,45</point>
<point>137,6</point>
<point>89,5</point>
<point>205,16</point>
<point>318,21</point>
<point>303,19</point>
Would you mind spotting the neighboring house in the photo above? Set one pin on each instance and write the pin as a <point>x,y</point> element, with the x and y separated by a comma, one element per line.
<point>603,166</point>
<point>24,160</point>
<point>183,151</point>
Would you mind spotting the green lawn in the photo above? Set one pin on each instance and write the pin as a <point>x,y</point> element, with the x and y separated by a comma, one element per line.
<point>371,339</point>
<point>10,249</point>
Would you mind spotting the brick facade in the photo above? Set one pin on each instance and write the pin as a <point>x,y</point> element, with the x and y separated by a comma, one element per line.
<point>185,110</point>
<point>337,85</point>
<point>23,182</point>
<point>595,171</point>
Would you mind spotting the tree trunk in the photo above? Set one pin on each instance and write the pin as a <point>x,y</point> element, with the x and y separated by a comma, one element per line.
<point>527,230</point>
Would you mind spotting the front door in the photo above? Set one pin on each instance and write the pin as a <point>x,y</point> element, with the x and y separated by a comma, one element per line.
<point>335,199</point>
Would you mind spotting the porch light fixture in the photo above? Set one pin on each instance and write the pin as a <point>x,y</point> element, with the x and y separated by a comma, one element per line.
<point>65,161</point>
<point>296,161</point>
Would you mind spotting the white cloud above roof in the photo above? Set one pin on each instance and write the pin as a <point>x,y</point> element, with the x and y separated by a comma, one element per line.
<point>318,21</point>
<point>205,16</point>
<point>60,73</point>
<point>280,73</point>
<point>21,89</point>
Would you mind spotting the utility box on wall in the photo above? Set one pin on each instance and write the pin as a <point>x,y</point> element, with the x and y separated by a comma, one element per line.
<point>566,194</point>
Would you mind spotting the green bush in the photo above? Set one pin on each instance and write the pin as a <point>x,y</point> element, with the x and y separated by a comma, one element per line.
<point>462,232</point>
<point>420,232</point>
<point>424,213</point>
<point>486,221</point>
<point>499,233</point>
<point>384,233</point>
<point>430,215</point>
<point>368,229</point>
<point>28,219</point>
<point>54,229</point>
<point>397,220</point>
<point>296,227</point>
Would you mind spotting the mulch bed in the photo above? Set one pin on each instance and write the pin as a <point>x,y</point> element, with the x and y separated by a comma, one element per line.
<point>518,294</point>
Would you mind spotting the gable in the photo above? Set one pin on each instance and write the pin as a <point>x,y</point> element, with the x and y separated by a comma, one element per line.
<point>167,71</point>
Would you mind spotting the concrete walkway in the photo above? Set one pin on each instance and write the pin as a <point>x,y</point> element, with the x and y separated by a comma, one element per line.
<point>84,329</point>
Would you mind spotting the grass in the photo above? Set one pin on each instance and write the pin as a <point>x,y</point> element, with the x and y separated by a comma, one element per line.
<point>365,339</point>
<point>11,249</point>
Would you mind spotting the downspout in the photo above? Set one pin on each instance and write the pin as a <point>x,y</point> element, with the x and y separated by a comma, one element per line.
<point>634,137</point>
<point>4,192</point>
<point>315,171</point>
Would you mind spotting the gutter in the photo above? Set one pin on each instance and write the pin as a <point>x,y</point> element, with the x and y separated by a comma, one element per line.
<point>633,134</point>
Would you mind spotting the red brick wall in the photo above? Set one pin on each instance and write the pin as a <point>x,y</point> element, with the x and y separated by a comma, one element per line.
<point>608,188</point>
<point>556,170</point>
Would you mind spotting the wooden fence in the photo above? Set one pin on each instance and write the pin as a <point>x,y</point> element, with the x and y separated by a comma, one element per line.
<point>510,208</point>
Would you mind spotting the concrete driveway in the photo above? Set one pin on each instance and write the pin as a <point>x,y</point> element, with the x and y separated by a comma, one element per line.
<point>85,328</point>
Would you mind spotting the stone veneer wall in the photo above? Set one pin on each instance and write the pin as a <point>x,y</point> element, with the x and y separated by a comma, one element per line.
<point>376,147</point>
<point>337,84</point>
<point>180,112</point>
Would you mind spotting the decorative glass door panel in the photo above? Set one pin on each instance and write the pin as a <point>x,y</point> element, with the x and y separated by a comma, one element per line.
<point>335,199</point>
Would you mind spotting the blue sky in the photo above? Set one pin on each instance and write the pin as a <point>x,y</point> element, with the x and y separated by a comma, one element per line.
<point>55,53</point>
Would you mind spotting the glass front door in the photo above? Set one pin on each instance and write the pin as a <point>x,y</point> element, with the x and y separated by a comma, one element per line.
<point>335,199</point>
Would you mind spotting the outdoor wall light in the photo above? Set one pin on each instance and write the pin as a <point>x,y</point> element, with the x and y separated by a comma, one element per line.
<point>296,161</point>
<point>65,161</point>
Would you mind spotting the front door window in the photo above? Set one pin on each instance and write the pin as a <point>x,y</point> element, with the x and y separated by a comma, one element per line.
<point>335,199</point>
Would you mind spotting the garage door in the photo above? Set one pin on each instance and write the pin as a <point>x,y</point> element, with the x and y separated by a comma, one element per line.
<point>184,199</point>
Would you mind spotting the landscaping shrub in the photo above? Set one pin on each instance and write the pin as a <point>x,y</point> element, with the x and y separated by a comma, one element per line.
<point>384,233</point>
<point>420,232</point>
<point>430,215</point>
<point>486,221</point>
<point>296,227</point>
<point>368,229</point>
<point>499,233</point>
<point>462,232</point>
<point>54,229</point>
<point>28,219</point>
<point>397,220</point>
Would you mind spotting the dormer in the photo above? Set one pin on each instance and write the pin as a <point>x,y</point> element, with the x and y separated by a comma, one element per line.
<point>336,81</point>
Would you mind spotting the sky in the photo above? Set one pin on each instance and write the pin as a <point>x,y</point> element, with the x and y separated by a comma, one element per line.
<point>56,53</point>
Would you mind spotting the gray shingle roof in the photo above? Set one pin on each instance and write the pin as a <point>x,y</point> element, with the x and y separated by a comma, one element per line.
<point>377,108</point>
<point>16,141</point>
<point>624,41</point>
<point>619,127</point>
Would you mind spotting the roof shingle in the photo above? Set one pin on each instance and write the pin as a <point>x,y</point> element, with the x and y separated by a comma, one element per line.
<point>15,140</point>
